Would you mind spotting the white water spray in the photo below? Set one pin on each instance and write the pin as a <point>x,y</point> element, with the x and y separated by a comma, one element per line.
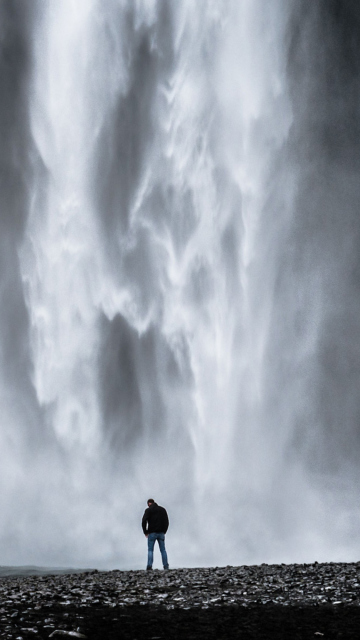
<point>161,203</point>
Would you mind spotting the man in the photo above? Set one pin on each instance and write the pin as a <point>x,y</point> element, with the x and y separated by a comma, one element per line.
<point>155,524</point>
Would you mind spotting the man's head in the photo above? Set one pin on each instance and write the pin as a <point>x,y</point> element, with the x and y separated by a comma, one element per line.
<point>150,502</point>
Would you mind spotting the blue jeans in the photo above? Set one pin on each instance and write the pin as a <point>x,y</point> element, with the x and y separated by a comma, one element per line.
<point>160,537</point>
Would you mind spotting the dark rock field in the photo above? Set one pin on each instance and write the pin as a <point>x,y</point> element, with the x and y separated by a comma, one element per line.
<point>268,601</point>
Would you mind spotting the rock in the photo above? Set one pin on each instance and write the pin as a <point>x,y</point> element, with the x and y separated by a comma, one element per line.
<point>73,634</point>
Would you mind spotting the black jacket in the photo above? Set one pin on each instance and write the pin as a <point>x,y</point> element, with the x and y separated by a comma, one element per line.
<point>156,519</point>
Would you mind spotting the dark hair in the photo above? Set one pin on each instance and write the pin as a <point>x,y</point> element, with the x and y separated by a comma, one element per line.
<point>151,501</point>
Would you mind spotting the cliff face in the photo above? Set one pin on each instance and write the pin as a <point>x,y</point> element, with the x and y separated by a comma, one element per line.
<point>267,601</point>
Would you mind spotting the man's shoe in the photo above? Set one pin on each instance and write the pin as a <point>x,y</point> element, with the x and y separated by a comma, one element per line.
<point>167,567</point>
<point>148,568</point>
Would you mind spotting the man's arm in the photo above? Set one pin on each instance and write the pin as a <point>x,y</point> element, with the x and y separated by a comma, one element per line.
<point>166,521</point>
<point>144,523</point>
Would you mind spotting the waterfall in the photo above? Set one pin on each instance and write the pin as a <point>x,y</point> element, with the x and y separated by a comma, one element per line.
<point>180,294</point>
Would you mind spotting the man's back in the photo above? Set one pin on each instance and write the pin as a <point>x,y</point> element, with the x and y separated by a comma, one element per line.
<point>156,519</point>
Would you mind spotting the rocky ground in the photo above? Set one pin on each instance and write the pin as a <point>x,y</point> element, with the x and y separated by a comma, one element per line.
<point>267,601</point>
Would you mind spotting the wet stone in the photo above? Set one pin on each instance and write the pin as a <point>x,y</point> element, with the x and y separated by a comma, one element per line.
<point>267,601</point>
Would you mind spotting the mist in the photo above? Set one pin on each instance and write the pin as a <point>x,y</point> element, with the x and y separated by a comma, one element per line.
<point>180,280</point>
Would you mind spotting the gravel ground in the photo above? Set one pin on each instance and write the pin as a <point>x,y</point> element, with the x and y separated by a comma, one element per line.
<point>267,601</point>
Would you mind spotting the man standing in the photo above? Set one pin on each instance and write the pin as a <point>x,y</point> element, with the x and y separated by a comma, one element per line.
<point>155,524</point>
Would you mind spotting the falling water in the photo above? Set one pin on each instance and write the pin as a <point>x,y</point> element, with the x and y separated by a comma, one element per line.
<point>180,280</point>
